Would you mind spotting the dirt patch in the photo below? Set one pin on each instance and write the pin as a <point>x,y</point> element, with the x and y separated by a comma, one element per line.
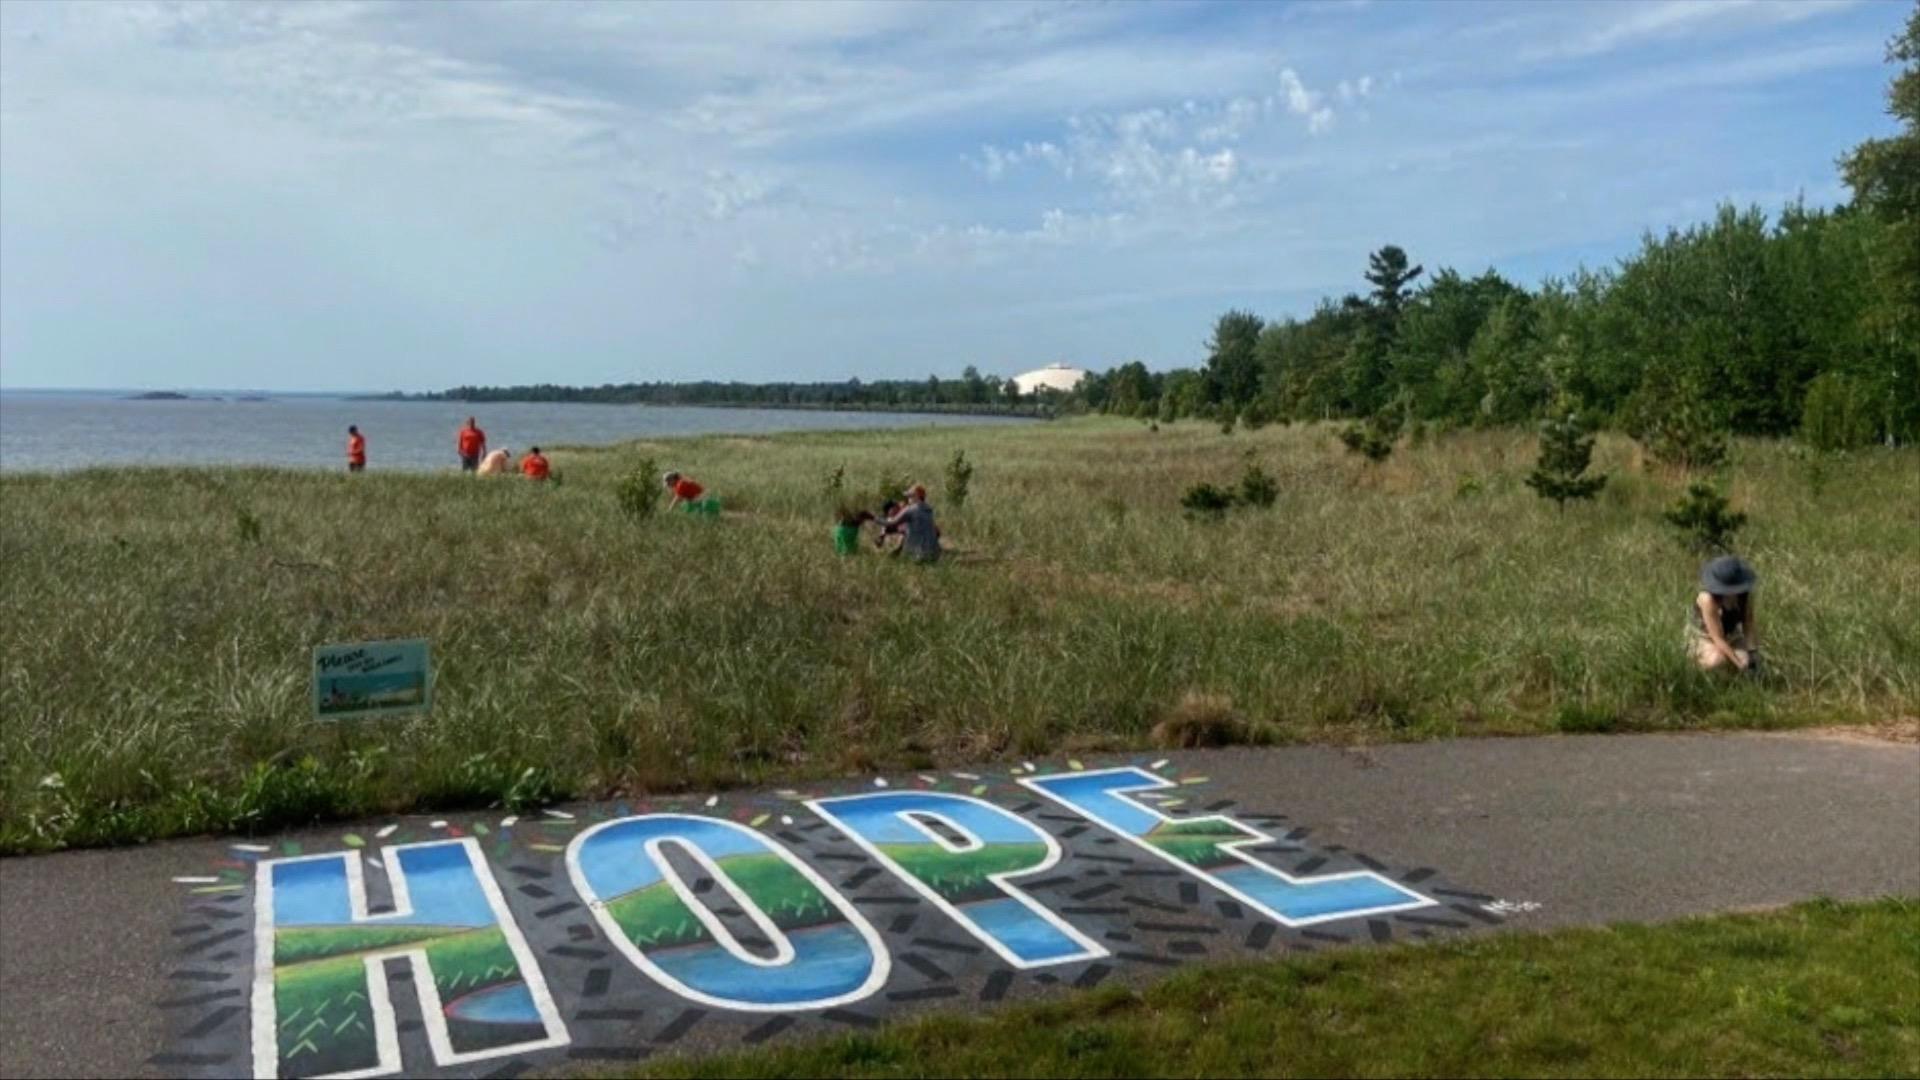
<point>1898,730</point>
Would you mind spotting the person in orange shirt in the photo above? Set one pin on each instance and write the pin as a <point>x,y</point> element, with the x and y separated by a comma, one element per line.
<point>534,465</point>
<point>356,449</point>
<point>472,445</point>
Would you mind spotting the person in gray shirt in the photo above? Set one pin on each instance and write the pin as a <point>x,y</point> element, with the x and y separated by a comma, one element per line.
<point>920,536</point>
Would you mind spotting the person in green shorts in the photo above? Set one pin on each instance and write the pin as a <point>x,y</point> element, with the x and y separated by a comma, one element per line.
<point>846,533</point>
<point>689,496</point>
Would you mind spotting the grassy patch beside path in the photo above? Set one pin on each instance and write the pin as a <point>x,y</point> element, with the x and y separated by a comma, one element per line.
<point>156,625</point>
<point>1817,990</point>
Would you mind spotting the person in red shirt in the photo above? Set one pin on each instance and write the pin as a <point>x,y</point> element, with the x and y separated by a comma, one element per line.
<point>472,445</point>
<point>690,496</point>
<point>356,449</point>
<point>534,465</point>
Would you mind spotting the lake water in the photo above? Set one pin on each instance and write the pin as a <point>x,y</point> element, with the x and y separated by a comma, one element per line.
<point>50,430</point>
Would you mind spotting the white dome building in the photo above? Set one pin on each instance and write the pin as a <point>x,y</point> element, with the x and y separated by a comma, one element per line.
<point>1052,377</point>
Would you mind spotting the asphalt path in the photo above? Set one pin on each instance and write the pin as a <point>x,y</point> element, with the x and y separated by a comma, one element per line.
<point>143,961</point>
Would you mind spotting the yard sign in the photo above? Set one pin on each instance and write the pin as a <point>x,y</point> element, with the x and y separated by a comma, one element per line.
<point>371,678</point>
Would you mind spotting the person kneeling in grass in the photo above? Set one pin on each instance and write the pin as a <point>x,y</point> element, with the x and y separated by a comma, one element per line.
<point>920,537</point>
<point>690,496</point>
<point>1722,629</point>
<point>534,466</point>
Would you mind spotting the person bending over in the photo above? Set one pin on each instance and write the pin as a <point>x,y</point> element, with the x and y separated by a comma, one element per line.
<point>1721,626</point>
<point>846,530</point>
<point>497,463</point>
<point>690,496</point>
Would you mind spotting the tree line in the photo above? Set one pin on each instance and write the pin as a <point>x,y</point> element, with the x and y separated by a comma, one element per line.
<point>1808,320</point>
<point>972,392</point>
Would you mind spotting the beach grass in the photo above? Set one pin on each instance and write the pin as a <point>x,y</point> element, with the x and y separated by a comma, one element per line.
<point>1809,991</point>
<point>157,624</point>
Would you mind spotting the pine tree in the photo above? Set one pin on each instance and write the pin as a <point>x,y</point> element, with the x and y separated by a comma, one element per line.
<point>1566,449</point>
<point>1705,523</point>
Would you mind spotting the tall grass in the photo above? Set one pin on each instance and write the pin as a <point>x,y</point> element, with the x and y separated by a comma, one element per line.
<point>156,624</point>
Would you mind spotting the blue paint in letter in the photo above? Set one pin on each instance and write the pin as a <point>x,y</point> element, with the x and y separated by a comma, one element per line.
<point>969,880</point>
<point>321,1006</point>
<point>1209,849</point>
<point>809,949</point>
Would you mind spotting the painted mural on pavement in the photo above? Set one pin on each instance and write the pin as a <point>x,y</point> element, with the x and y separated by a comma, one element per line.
<point>484,947</point>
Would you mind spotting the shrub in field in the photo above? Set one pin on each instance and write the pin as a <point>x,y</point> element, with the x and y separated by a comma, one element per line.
<point>246,525</point>
<point>639,490</point>
<point>1817,466</point>
<point>1840,413</point>
<point>891,488</point>
<point>1467,486</point>
<point>835,486</point>
<point>959,476</point>
<point>1368,439</point>
<point>1256,487</point>
<point>1204,502</point>
<point>1676,427</point>
<point>1199,720</point>
<point>1566,449</point>
<point>1705,522</point>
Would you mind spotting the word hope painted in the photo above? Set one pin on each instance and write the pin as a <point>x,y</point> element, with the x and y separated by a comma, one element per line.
<point>712,911</point>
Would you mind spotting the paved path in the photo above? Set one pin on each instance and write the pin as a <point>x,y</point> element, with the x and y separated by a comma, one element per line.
<point>112,964</point>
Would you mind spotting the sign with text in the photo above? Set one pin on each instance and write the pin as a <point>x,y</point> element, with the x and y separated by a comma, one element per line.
<point>371,678</point>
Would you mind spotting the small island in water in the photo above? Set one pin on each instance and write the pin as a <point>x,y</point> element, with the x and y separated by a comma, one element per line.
<point>175,395</point>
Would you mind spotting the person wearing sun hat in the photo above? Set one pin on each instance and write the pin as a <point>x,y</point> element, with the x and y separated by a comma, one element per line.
<point>1722,629</point>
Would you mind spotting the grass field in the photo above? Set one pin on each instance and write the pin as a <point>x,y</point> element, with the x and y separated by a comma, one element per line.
<point>156,625</point>
<point>964,876</point>
<point>1817,990</point>
<point>654,916</point>
<point>321,1005</point>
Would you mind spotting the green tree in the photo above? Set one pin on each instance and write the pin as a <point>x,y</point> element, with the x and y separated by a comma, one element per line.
<point>1885,177</point>
<point>1129,389</point>
<point>1566,450</point>
<point>976,387</point>
<point>1508,365</point>
<point>1233,357</point>
<point>1389,274</point>
<point>1841,412</point>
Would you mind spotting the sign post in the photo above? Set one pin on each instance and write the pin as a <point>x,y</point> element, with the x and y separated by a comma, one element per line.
<point>371,678</point>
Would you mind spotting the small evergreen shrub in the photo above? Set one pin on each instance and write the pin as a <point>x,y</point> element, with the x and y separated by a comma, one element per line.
<point>1566,449</point>
<point>639,491</point>
<point>959,477</point>
<point>891,488</point>
<point>1256,487</point>
<point>1704,521</point>
<point>834,487</point>
<point>1204,502</point>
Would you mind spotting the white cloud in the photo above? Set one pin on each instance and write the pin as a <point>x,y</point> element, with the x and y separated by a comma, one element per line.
<point>1304,102</point>
<point>1623,25</point>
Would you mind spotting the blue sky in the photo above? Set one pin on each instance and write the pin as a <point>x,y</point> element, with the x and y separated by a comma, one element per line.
<point>368,196</point>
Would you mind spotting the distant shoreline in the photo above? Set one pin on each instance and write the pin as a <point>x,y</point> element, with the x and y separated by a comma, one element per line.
<point>1014,412</point>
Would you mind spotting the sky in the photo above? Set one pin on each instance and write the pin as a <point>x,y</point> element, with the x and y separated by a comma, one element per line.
<point>370,196</point>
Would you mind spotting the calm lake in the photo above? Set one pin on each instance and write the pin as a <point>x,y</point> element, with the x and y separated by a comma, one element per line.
<point>47,429</point>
